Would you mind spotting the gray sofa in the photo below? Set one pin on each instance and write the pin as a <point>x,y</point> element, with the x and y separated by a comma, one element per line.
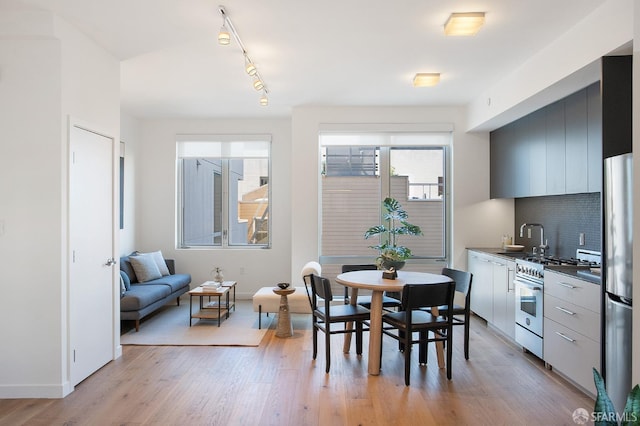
<point>139,299</point>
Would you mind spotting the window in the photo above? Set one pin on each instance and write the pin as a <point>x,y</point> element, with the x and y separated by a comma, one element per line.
<point>223,196</point>
<point>360,170</point>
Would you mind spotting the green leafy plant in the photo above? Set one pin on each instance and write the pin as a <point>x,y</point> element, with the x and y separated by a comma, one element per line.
<point>395,224</point>
<point>604,411</point>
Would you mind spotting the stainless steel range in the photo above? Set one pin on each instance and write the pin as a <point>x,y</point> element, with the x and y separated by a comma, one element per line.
<point>529,286</point>
<point>529,283</point>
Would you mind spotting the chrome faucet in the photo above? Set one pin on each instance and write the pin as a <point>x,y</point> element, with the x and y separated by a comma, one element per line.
<point>543,244</point>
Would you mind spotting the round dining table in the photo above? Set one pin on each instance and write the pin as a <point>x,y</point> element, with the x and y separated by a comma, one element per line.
<point>372,280</point>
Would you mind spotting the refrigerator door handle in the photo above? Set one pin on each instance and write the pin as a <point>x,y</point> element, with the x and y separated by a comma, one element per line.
<point>619,301</point>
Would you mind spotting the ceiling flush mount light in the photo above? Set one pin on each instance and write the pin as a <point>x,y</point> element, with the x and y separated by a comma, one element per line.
<point>426,79</point>
<point>224,38</point>
<point>464,24</point>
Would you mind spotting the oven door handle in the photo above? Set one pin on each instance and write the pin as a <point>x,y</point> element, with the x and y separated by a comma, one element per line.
<point>528,285</point>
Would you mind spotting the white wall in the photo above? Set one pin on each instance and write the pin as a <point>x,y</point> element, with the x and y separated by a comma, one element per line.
<point>568,64</point>
<point>36,98</point>
<point>156,203</point>
<point>31,181</point>
<point>130,135</point>
<point>477,221</point>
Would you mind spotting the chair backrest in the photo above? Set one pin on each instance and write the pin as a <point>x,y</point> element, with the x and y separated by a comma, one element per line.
<point>351,268</point>
<point>320,288</point>
<point>366,267</point>
<point>462,278</point>
<point>416,296</point>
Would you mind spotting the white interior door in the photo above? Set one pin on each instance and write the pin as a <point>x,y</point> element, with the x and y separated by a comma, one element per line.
<point>91,225</point>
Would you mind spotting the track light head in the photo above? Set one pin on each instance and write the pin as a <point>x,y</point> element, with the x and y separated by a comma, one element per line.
<point>249,67</point>
<point>258,84</point>
<point>223,36</point>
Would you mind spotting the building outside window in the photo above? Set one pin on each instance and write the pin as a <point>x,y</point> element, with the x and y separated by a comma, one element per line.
<point>359,171</point>
<point>223,191</point>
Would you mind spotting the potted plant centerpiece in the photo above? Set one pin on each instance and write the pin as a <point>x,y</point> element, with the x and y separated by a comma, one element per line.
<point>395,224</point>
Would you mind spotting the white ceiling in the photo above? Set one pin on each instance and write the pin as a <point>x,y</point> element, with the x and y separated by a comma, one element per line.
<point>328,52</point>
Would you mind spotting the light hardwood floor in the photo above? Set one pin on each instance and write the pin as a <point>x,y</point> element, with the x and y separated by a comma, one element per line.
<point>279,384</point>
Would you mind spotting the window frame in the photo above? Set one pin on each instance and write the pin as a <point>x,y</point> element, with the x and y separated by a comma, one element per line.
<point>231,146</point>
<point>385,188</point>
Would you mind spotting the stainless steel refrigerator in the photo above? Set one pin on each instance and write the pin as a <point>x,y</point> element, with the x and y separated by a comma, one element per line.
<point>618,280</point>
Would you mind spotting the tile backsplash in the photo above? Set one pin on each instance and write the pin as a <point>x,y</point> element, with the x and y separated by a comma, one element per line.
<point>564,218</point>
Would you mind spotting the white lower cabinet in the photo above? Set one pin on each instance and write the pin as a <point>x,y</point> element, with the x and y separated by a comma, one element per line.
<point>572,327</point>
<point>492,291</point>
<point>481,285</point>
<point>504,311</point>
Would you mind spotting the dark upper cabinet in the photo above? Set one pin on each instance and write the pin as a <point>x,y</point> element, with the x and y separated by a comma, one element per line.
<point>554,150</point>
<point>576,143</point>
<point>617,100</point>
<point>502,154</point>
<point>594,138</point>
<point>537,147</point>
<point>555,142</point>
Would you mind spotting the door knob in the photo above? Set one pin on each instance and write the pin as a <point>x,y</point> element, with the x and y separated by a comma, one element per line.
<point>110,262</point>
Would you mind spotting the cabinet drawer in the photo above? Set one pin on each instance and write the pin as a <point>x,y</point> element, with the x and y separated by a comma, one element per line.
<point>572,316</point>
<point>574,290</point>
<point>571,353</point>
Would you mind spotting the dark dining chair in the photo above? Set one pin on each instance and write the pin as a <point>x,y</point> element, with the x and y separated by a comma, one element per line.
<point>326,314</point>
<point>389,299</point>
<point>460,314</point>
<point>413,318</point>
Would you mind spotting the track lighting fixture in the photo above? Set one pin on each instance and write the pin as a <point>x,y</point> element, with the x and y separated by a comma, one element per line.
<point>224,38</point>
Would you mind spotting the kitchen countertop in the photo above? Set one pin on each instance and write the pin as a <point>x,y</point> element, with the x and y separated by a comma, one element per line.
<point>580,272</point>
<point>568,270</point>
<point>512,255</point>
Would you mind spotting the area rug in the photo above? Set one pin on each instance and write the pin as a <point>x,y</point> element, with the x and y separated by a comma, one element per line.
<point>169,326</point>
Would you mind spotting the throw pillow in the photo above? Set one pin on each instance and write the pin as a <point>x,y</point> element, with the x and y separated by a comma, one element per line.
<point>159,259</point>
<point>125,280</point>
<point>123,289</point>
<point>145,267</point>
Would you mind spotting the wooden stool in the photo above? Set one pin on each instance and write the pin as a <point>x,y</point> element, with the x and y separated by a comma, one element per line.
<point>285,329</point>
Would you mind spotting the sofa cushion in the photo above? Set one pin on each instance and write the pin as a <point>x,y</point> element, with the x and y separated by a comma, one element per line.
<point>145,267</point>
<point>142,295</point>
<point>175,282</point>
<point>125,266</point>
<point>160,263</point>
